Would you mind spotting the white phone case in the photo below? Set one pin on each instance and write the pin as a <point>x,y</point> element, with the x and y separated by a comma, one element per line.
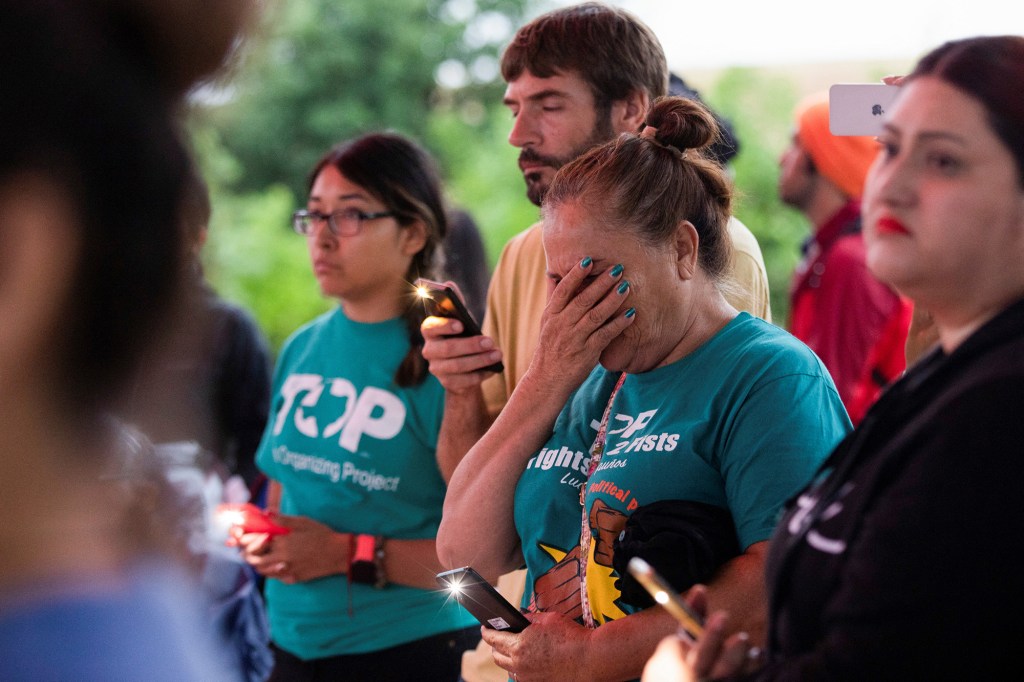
<point>859,108</point>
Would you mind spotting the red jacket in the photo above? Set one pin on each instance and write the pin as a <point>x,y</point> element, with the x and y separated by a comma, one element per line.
<point>837,307</point>
<point>886,362</point>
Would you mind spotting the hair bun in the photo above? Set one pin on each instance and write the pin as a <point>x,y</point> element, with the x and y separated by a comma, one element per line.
<point>651,133</point>
<point>681,124</point>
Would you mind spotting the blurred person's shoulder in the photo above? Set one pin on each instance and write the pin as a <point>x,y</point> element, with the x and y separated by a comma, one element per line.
<point>147,624</point>
<point>743,240</point>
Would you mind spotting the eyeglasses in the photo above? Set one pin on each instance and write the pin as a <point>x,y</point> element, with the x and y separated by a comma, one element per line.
<point>344,223</point>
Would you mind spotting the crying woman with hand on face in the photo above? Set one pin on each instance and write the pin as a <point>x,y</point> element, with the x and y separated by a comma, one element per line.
<point>649,397</point>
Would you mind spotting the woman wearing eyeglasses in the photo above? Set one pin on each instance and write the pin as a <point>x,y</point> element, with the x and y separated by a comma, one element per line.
<point>350,443</point>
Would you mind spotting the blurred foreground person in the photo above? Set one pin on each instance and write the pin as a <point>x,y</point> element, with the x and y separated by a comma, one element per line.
<point>209,380</point>
<point>170,513</point>
<point>91,176</point>
<point>897,562</point>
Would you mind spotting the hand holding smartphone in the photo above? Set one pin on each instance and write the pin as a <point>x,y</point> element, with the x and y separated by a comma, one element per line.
<point>692,625</point>
<point>481,599</point>
<point>442,301</point>
<point>248,518</point>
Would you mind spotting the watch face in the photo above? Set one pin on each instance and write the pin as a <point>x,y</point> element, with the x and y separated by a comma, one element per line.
<point>366,560</point>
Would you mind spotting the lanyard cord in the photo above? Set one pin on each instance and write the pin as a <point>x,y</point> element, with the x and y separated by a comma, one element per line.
<point>596,450</point>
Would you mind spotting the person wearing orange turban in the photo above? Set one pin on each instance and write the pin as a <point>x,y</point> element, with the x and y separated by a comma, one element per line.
<point>836,306</point>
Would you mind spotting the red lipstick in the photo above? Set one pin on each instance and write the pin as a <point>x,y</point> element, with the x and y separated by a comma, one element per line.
<point>889,225</point>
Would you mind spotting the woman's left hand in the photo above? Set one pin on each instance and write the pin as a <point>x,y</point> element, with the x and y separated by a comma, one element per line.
<point>580,319</point>
<point>311,550</point>
<point>553,648</point>
<point>713,656</point>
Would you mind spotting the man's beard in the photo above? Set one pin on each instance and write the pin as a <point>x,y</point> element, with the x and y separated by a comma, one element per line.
<point>536,186</point>
<point>797,197</point>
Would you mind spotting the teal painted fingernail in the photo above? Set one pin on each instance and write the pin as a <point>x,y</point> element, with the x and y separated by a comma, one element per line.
<point>617,270</point>
<point>631,312</point>
<point>585,263</point>
<point>623,287</point>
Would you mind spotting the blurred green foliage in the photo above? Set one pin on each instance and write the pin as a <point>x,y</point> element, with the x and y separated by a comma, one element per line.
<point>760,107</point>
<point>320,71</point>
<point>317,72</point>
<point>481,169</point>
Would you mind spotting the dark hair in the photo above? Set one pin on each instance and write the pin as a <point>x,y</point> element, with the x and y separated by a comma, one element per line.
<point>650,184</point>
<point>988,69</point>
<point>727,146</point>
<point>195,205</point>
<point>87,105</point>
<point>613,51</point>
<point>405,178</point>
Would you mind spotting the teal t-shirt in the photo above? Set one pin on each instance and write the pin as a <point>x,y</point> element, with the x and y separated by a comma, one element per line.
<point>741,423</point>
<point>354,451</point>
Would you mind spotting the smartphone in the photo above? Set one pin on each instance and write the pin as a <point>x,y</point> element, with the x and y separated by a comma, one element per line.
<point>442,301</point>
<point>248,518</point>
<point>481,599</point>
<point>859,108</point>
<point>691,625</point>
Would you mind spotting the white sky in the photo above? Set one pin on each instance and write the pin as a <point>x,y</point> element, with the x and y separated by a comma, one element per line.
<point>699,34</point>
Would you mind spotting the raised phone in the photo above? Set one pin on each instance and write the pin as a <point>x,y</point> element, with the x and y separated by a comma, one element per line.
<point>442,301</point>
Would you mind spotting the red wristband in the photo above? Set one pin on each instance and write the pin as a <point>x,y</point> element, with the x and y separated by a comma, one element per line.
<point>366,560</point>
